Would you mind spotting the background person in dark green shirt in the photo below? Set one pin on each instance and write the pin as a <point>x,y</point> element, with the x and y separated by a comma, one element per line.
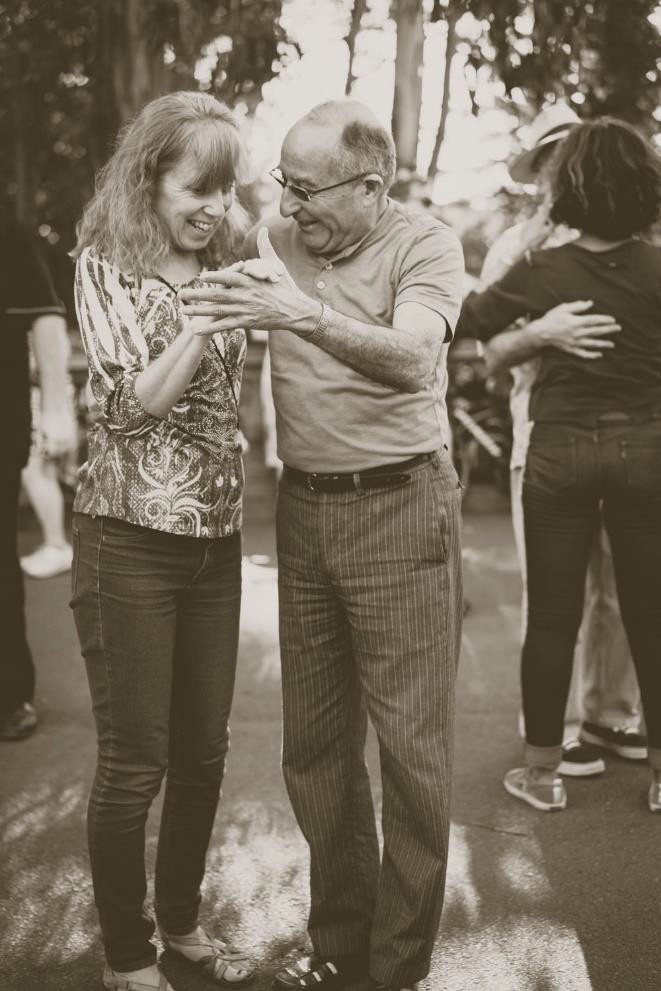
<point>597,435</point>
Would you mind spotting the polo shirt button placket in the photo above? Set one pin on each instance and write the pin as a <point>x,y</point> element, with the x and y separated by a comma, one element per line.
<point>324,268</point>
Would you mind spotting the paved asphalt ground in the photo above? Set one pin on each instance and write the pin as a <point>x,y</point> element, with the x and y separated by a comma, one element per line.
<point>535,902</point>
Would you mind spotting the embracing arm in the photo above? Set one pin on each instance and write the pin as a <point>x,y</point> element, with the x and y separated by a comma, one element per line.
<point>489,315</point>
<point>566,327</point>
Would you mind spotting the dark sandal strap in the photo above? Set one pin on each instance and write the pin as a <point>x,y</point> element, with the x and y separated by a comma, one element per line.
<point>323,972</point>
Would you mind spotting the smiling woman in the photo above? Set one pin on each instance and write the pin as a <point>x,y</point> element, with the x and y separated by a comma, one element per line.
<point>157,546</point>
<point>190,134</point>
<point>190,215</point>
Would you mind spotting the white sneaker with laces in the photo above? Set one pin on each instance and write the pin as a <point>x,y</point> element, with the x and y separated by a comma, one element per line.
<point>47,561</point>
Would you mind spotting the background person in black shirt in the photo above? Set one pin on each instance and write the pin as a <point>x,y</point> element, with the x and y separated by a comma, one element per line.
<point>597,435</point>
<point>27,302</point>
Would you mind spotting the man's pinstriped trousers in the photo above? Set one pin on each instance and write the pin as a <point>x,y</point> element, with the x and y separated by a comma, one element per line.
<point>370,588</point>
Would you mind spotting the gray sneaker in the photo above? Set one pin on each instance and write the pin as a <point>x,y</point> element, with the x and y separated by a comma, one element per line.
<point>533,785</point>
<point>18,724</point>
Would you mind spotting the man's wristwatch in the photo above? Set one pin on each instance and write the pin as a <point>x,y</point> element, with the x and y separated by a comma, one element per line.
<point>322,326</point>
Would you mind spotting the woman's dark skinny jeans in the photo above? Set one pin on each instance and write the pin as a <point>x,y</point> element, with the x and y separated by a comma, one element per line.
<point>158,619</point>
<point>571,471</point>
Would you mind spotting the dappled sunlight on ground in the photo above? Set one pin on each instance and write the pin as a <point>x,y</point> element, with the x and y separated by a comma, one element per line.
<point>258,878</point>
<point>528,955</point>
<point>514,939</point>
<point>47,893</point>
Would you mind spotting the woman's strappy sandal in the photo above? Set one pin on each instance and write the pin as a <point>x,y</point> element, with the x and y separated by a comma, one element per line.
<point>117,982</point>
<point>223,963</point>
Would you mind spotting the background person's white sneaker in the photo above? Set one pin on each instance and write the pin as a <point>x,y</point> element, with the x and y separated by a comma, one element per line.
<point>537,787</point>
<point>47,561</point>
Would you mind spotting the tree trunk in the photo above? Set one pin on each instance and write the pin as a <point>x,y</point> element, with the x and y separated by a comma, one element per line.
<point>408,81</point>
<point>356,17</point>
<point>450,48</point>
<point>139,72</point>
<point>132,70</point>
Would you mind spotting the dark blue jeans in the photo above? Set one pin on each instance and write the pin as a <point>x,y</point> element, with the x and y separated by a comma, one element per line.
<point>158,621</point>
<point>571,472</point>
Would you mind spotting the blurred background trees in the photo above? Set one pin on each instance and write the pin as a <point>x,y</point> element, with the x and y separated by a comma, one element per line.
<point>72,71</point>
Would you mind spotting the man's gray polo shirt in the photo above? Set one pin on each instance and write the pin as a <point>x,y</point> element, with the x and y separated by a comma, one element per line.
<point>330,417</point>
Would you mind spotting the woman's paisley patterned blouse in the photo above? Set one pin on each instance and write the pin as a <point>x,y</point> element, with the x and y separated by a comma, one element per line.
<point>182,474</point>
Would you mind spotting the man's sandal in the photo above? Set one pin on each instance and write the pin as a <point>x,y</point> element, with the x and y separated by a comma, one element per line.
<point>117,982</point>
<point>223,964</point>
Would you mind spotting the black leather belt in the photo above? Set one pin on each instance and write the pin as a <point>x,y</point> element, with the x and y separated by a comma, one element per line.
<point>384,476</point>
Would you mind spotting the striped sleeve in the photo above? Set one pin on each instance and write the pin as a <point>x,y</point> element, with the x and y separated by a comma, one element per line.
<point>115,346</point>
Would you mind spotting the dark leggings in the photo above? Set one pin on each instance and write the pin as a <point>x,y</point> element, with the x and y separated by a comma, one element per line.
<point>572,474</point>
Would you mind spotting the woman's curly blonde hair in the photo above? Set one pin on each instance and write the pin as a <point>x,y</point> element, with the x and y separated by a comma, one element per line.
<point>120,221</point>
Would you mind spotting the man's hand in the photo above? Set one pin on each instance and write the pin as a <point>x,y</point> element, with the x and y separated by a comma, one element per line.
<point>256,294</point>
<point>570,328</point>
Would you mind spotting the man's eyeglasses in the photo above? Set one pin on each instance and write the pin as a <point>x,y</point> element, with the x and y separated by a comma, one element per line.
<point>301,193</point>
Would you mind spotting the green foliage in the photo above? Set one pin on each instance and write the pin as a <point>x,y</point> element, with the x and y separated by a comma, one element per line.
<point>602,55</point>
<point>71,71</point>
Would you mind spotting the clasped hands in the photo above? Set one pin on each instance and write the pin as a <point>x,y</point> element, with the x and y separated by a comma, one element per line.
<point>255,294</point>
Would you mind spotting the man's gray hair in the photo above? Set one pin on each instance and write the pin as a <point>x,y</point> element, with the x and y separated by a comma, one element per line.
<point>365,145</point>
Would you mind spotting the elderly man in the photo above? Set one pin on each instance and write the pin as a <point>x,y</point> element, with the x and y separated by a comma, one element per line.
<point>368,536</point>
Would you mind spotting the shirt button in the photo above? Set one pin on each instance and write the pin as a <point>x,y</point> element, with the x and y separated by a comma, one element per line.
<point>328,266</point>
<point>321,284</point>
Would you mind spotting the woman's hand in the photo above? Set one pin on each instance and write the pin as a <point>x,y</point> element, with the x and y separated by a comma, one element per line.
<point>568,327</point>
<point>258,294</point>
